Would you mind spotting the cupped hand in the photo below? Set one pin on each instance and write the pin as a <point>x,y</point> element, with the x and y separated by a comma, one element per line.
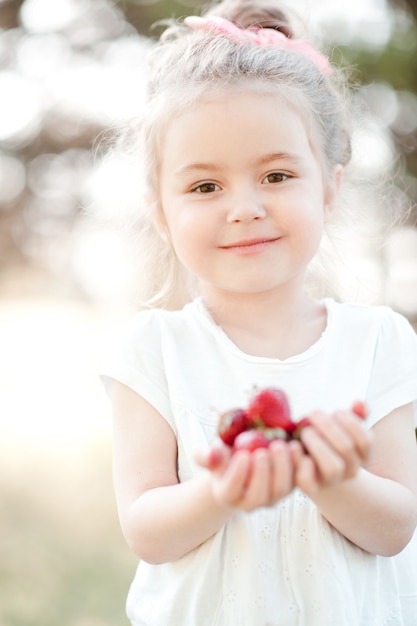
<point>335,446</point>
<point>248,480</point>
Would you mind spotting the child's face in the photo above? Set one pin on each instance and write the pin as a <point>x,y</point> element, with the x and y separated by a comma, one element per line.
<point>242,193</point>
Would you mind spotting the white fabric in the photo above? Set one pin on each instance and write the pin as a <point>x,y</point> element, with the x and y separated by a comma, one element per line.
<point>283,566</point>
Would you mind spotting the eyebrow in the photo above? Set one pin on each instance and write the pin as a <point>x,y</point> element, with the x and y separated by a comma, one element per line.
<point>214,167</point>
<point>280,156</point>
<point>195,167</point>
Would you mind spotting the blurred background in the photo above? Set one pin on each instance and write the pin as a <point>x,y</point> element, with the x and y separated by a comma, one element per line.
<point>69,70</point>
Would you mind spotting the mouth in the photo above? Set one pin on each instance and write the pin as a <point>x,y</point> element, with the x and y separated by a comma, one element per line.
<point>250,246</point>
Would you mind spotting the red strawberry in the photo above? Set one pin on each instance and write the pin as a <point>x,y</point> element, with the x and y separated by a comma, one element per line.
<point>302,423</point>
<point>231,424</point>
<point>360,409</point>
<point>251,440</point>
<point>270,409</point>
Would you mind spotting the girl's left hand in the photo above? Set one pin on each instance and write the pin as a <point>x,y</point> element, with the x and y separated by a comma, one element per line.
<point>335,447</point>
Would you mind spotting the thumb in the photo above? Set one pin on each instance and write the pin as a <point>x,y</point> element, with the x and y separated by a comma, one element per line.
<point>212,458</point>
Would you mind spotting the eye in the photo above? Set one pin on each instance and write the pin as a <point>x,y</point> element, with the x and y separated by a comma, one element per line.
<point>206,188</point>
<point>275,177</point>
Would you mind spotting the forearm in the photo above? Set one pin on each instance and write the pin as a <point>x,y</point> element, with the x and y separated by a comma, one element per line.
<point>377,514</point>
<point>165,523</point>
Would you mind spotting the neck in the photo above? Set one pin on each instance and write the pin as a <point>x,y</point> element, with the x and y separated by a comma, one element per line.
<point>268,324</point>
<point>244,309</point>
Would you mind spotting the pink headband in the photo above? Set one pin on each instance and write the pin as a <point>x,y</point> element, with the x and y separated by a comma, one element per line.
<point>259,37</point>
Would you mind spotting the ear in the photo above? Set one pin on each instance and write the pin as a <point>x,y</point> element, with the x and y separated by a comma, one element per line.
<point>333,188</point>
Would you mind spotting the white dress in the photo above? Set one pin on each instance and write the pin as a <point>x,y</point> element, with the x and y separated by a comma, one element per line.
<point>280,566</point>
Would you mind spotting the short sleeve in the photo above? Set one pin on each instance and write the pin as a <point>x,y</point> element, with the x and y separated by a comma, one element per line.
<point>393,381</point>
<point>135,358</point>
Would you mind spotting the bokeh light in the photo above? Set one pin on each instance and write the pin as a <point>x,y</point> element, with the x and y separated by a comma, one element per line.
<point>40,16</point>
<point>361,24</point>
<point>20,108</point>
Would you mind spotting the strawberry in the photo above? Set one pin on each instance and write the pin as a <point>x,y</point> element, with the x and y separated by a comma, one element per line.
<point>231,424</point>
<point>267,418</point>
<point>360,409</point>
<point>302,423</point>
<point>251,440</point>
<point>270,409</point>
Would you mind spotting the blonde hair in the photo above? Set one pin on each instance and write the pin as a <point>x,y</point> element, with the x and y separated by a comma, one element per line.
<point>184,66</point>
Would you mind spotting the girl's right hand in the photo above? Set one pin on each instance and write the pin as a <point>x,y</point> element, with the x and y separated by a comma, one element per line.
<point>248,480</point>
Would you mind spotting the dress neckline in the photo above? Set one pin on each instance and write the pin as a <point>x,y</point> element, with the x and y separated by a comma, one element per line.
<point>221,336</point>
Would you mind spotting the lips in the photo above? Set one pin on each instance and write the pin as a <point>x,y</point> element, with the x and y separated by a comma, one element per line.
<point>248,246</point>
<point>249,242</point>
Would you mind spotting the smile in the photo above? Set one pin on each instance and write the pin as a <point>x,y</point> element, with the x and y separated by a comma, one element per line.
<point>250,246</point>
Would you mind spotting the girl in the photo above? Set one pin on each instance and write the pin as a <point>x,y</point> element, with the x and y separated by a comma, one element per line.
<point>245,141</point>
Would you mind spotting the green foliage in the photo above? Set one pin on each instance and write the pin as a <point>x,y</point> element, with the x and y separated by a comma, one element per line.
<point>62,559</point>
<point>144,15</point>
<point>394,65</point>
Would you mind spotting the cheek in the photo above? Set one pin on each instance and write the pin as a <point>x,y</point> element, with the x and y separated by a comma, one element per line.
<point>189,225</point>
<point>308,228</point>
<point>186,235</point>
<point>181,225</point>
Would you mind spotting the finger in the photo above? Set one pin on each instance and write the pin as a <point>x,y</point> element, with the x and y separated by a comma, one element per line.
<point>282,470</point>
<point>305,472</point>
<point>347,435</point>
<point>330,465</point>
<point>214,458</point>
<point>351,426</point>
<point>360,435</point>
<point>231,483</point>
<point>306,475</point>
<point>256,490</point>
<point>339,439</point>
<point>296,450</point>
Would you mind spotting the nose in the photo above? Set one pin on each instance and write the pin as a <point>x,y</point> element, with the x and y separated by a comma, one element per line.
<point>245,205</point>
